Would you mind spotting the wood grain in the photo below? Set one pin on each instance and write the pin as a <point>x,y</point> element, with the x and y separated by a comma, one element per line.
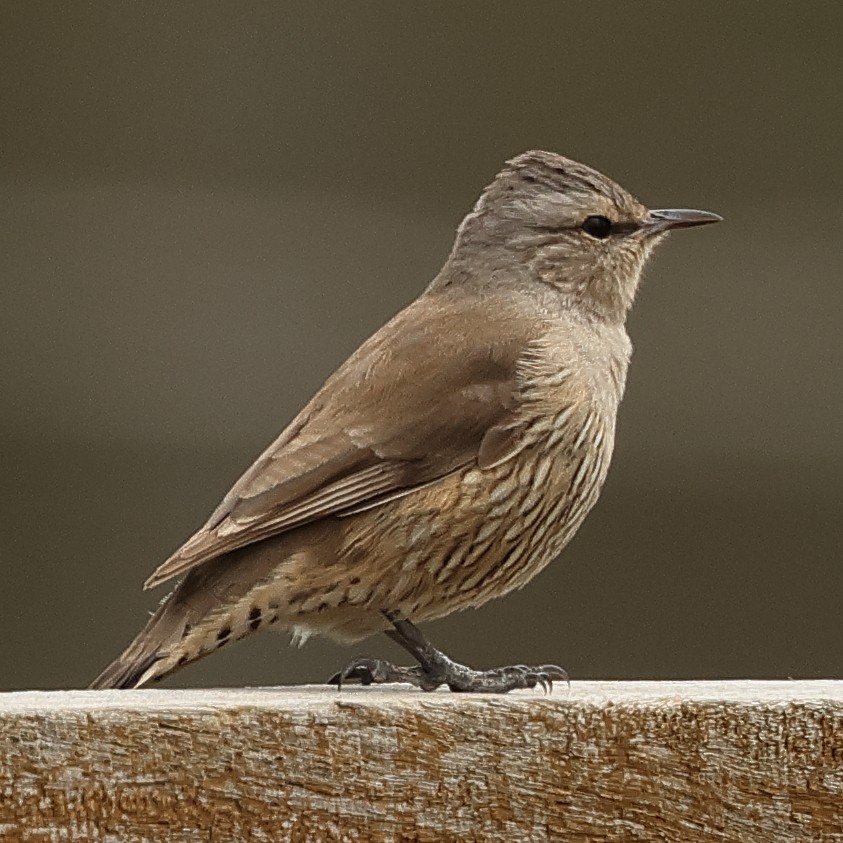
<point>631,761</point>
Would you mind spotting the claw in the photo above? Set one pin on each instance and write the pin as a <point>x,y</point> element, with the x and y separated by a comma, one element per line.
<point>337,679</point>
<point>360,670</point>
<point>458,678</point>
<point>376,671</point>
<point>542,676</point>
<point>554,672</point>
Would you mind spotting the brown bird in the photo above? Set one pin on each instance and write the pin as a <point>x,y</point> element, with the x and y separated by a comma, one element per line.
<point>448,460</point>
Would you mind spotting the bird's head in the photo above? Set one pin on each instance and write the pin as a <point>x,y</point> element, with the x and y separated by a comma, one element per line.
<point>570,227</point>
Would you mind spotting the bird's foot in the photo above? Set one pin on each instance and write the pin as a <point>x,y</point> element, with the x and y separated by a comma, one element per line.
<point>437,669</point>
<point>458,677</point>
<point>500,680</point>
<point>434,668</point>
<point>365,671</point>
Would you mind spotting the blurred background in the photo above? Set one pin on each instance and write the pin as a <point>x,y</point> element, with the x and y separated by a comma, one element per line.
<point>206,206</point>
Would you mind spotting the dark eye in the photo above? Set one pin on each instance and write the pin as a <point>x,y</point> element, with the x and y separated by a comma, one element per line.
<point>598,227</point>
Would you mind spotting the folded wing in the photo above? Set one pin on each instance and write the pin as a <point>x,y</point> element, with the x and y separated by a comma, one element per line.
<point>416,402</point>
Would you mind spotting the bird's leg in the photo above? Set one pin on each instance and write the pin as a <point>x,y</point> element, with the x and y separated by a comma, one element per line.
<point>435,668</point>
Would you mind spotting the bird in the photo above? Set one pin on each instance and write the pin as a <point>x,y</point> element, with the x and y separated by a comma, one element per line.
<point>447,461</point>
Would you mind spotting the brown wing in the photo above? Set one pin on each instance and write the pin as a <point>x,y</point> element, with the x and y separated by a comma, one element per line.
<point>420,399</point>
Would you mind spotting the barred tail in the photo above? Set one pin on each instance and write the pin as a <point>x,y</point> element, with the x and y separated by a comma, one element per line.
<point>221,601</point>
<point>136,665</point>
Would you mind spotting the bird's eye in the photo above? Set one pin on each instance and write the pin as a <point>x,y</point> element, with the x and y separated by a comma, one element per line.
<point>598,227</point>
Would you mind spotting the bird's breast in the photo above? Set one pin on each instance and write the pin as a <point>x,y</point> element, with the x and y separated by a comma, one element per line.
<point>484,532</point>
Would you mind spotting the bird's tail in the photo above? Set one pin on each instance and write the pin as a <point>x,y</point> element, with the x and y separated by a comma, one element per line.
<point>146,658</point>
<point>223,600</point>
<point>177,635</point>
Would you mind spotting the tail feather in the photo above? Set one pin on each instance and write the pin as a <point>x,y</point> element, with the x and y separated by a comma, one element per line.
<point>124,673</point>
<point>221,601</point>
<point>131,668</point>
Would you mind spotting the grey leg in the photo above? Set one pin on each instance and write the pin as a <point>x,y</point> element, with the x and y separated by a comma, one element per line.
<point>435,668</point>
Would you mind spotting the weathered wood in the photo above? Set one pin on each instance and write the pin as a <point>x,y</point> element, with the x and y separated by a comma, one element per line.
<point>616,761</point>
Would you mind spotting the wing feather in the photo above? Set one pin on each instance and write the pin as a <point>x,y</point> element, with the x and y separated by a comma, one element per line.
<point>419,400</point>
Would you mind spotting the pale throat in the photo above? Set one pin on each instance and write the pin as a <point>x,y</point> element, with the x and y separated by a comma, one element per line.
<point>602,293</point>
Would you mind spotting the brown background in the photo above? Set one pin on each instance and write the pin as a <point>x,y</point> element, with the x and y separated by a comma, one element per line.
<point>206,206</point>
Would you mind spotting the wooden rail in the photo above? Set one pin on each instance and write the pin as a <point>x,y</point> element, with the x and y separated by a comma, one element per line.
<point>675,762</point>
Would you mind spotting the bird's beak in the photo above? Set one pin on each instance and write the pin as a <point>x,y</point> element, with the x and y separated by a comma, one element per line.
<point>679,218</point>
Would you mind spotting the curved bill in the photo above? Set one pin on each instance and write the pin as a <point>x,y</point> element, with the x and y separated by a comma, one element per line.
<point>680,218</point>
